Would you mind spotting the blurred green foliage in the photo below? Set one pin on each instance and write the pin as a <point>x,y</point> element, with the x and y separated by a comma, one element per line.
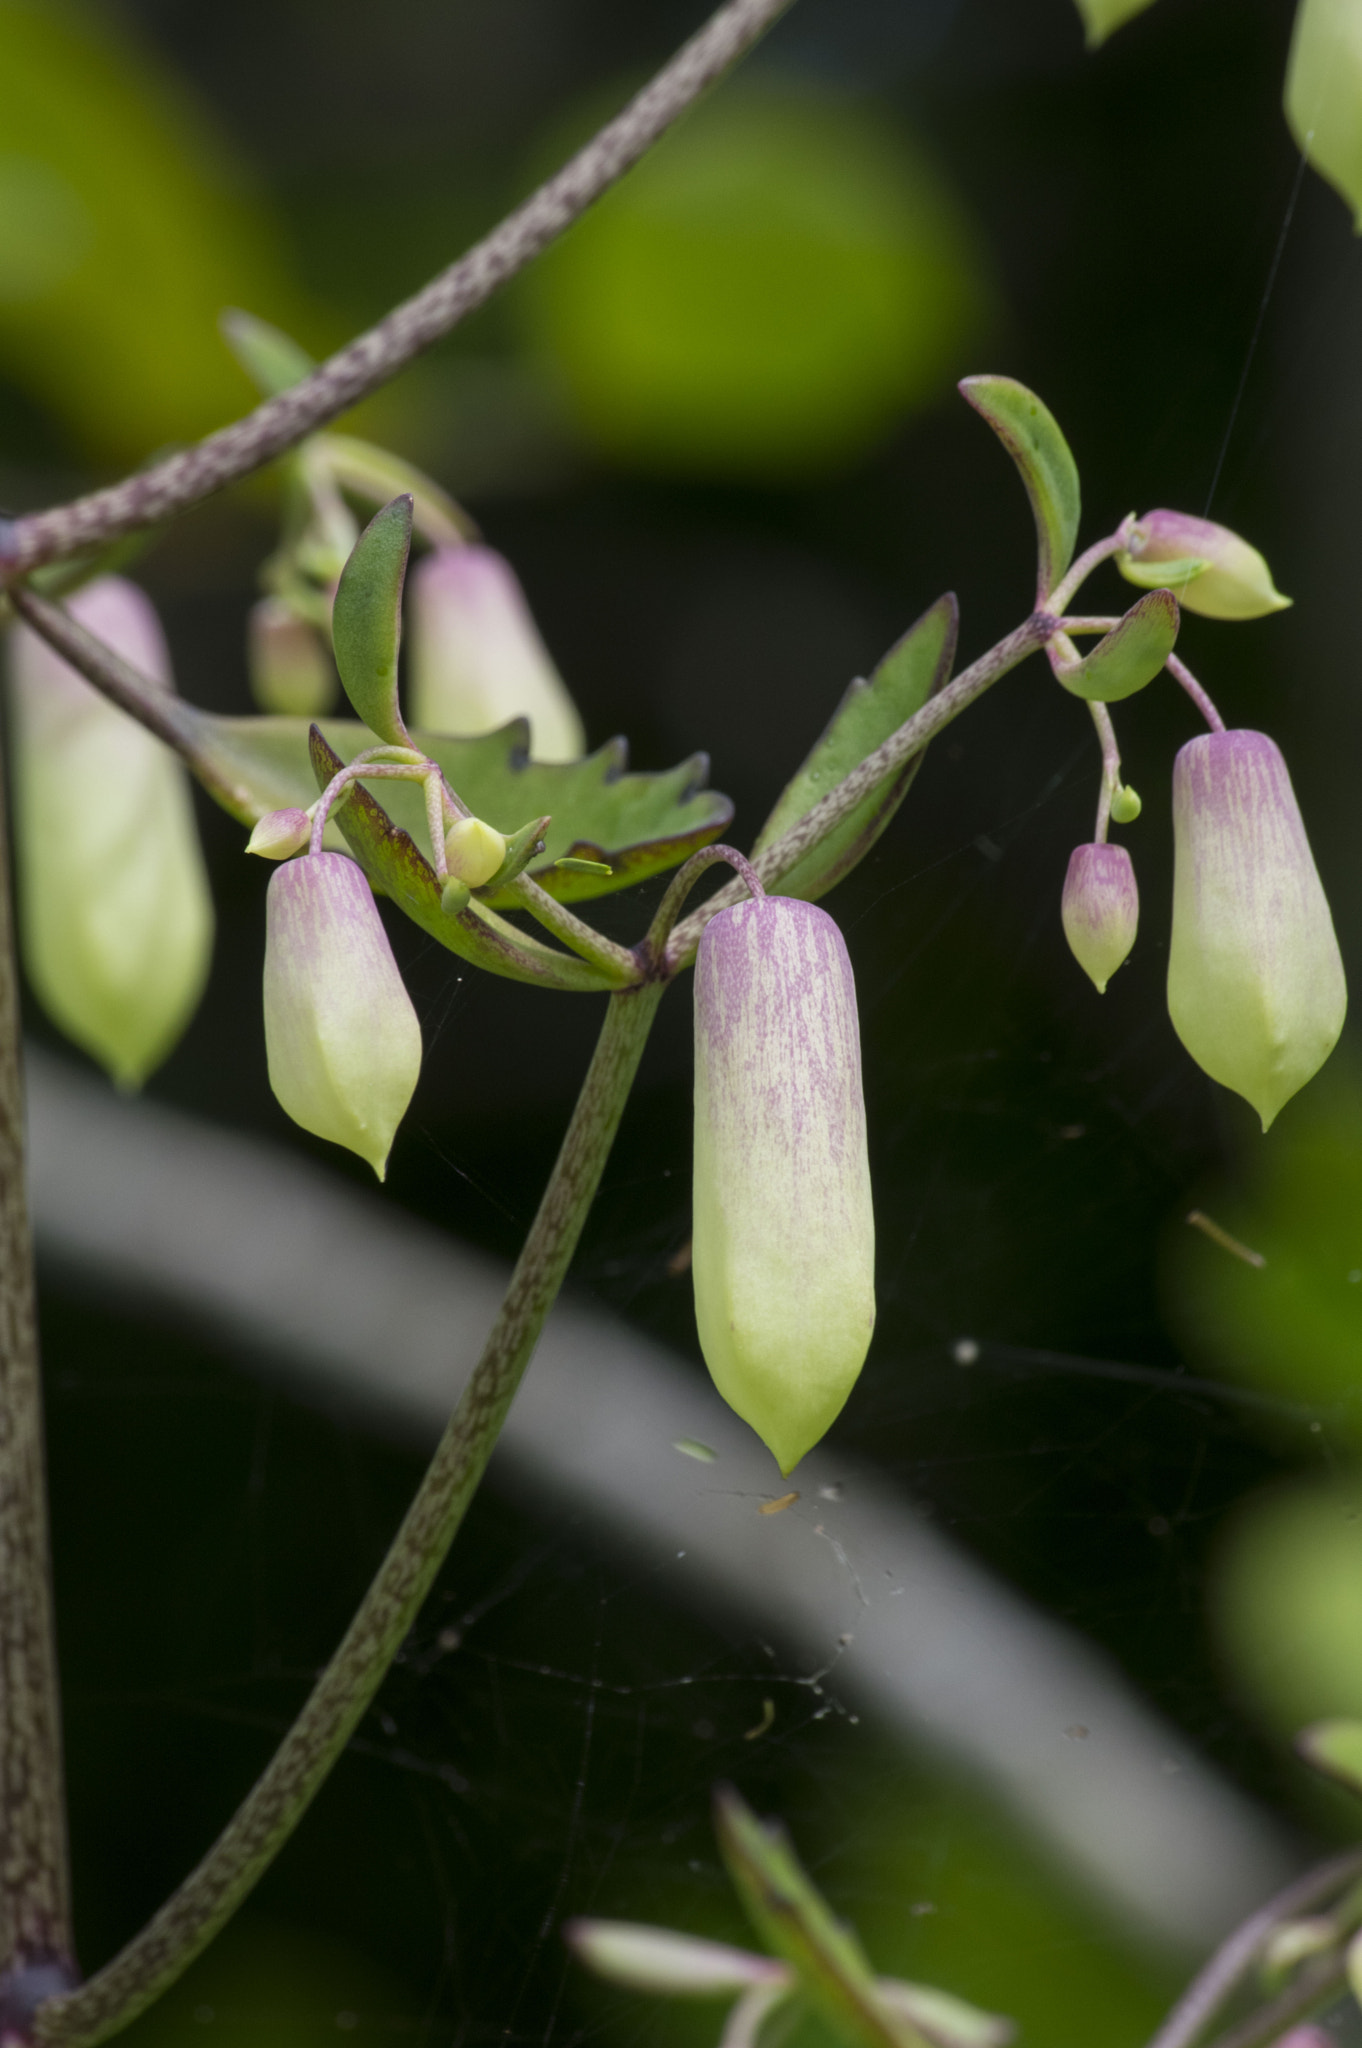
<point>781,281</point>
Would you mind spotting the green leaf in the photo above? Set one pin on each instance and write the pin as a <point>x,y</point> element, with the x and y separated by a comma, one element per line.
<point>397,868</point>
<point>1102,17</point>
<point>637,824</point>
<point>1130,655</point>
<point>1030,433</point>
<point>271,359</point>
<point>796,1923</point>
<point>376,475</point>
<point>914,669</point>
<point>1174,576</point>
<point>1335,1748</point>
<point>366,620</point>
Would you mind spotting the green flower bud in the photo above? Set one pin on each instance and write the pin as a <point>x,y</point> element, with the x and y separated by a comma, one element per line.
<point>290,669</point>
<point>1100,910</point>
<point>280,834</point>
<point>341,1036</point>
<point>784,1232</point>
<point>116,915</point>
<point>474,851</point>
<point>477,660</point>
<point>1126,805</point>
<point>1209,569</point>
<point>1324,93</point>
<point>1255,981</point>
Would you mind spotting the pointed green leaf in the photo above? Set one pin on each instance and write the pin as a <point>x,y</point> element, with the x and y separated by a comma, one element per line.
<point>1130,655</point>
<point>914,669</point>
<point>270,358</point>
<point>1030,433</point>
<point>1335,1748</point>
<point>796,1923</point>
<point>366,620</point>
<point>396,867</point>
<point>1174,576</point>
<point>1102,17</point>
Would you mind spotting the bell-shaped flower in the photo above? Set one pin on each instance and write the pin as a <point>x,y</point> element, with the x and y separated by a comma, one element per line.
<point>477,659</point>
<point>341,1036</point>
<point>1324,93</point>
<point>290,669</point>
<point>1100,910</point>
<point>1208,568</point>
<point>115,912</point>
<point>784,1232</point>
<point>1255,981</point>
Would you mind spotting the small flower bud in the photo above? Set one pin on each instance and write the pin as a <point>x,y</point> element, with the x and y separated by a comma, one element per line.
<point>1100,910</point>
<point>663,1961</point>
<point>290,669</point>
<point>280,834</point>
<point>477,660</point>
<point>1255,982</point>
<point>115,910</point>
<point>784,1245</point>
<point>454,896</point>
<point>1234,583</point>
<point>1324,93</point>
<point>341,1036</point>
<point>474,851</point>
<point>1126,805</point>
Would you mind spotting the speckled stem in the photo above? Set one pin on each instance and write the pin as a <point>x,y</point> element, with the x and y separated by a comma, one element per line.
<point>35,1914</point>
<point>1111,769</point>
<point>182,480</point>
<point>251,1840</point>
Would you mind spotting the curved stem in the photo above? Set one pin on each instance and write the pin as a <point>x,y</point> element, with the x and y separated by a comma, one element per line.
<point>370,360</point>
<point>620,962</point>
<point>170,1941</point>
<point>654,946</point>
<point>1111,769</point>
<point>1182,675</point>
<point>1234,1959</point>
<point>1101,550</point>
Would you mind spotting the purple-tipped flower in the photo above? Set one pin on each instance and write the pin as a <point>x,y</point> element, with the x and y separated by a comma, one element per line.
<point>341,1036</point>
<point>1255,981</point>
<point>477,660</point>
<point>1233,581</point>
<point>278,835</point>
<point>290,669</point>
<point>1100,909</point>
<point>784,1247</point>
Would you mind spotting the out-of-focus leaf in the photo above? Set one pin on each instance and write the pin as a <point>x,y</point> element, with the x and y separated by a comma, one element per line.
<point>1130,655</point>
<point>1324,93</point>
<point>1334,1747</point>
<point>773,288</point>
<point>1102,17</point>
<point>271,359</point>
<point>914,669</point>
<point>1031,435</point>
<point>124,229</point>
<point>366,620</point>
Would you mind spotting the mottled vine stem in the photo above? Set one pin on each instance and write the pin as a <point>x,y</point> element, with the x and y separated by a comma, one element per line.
<point>189,1919</point>
<point>370,360</point>
<point>35,1913</point>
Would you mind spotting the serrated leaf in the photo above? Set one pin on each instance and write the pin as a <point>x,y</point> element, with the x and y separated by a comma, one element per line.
<point>271,359</point>
<point>397,868</point>
<point>1130,655</point>
<point>1030,433</point>
<point>636,824</point>
<point>366,620</point>
<point>1334,1748</point>
<point>1102,17</point>
<point>914,669</point>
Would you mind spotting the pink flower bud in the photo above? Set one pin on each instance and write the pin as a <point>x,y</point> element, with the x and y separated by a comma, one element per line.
<point>784,1246</point>
<point>1255,981</point>
<point>1233,583</point>
<point>477,660</point>
<point>341,1036</point>
<point>291,671</point>
<point>1100,910</point>
<point>280,834</point>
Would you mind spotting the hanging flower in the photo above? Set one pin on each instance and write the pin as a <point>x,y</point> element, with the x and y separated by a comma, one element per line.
<point>1210,569</point>
<point>1100,910</point>
<point>477,659</point>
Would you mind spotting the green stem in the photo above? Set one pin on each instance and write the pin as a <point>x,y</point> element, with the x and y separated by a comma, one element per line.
<point>619,962</point>
<point>170,1941</point>
<point>36,1952</point>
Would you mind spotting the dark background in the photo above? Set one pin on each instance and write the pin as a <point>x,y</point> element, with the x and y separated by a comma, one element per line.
<point>1034,1146</point>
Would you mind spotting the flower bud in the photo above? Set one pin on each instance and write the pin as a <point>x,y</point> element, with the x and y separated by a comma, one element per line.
<point>115,910</point>
<point>290,669</point>
<point>666,1962</point>
<point>280,834</point>
<point>1255,981</point>
<point>1324,93</point>
<point>1233,583</point>
<point>1100,910</point>
<point>784,1244</point>
<point>474,851</point>
<point>477,660</point>
<point>341,1036</point>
